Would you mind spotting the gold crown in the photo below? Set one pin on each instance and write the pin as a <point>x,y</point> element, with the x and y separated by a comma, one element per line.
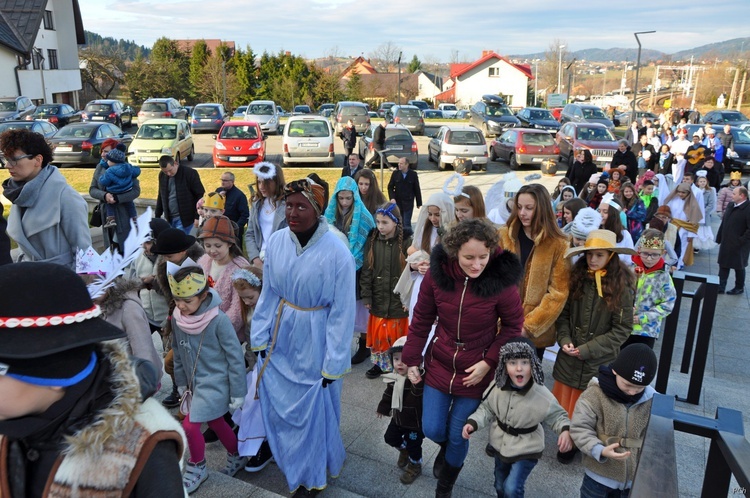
<point>655,243</point>
<point>735,175</point>
<point>213,200</point>
<point>191,285</point>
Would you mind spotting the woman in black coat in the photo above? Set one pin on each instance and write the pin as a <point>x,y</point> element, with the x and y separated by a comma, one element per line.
<point>624,157</point>
<point>581,170</point>
<point>349,136</point>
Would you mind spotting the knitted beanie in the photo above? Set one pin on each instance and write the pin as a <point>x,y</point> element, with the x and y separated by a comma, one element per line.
<point>117,155</point>
<point>518,348</point>
<point>636,364</point>
<point>586,220</point>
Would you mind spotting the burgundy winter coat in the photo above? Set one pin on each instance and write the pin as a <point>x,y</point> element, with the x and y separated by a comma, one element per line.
<point>468,311</point>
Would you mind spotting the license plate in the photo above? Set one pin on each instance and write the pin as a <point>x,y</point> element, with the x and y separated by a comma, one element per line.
<point>536,159</point>
<point>309,144</point>
<point>64,148</point>
<point>148,159</point>
<point>98,118</point>
<point>237,159</point>
<point>396,147</point>
<point>205,120</point>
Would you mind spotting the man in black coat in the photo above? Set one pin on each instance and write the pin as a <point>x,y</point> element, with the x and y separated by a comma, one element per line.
<point>734,239</point>
<point>235,203</point>
<point>625,157</point>
<point>727,140</point>
<point>378,143</point>
<point>403,189</point>
<point>638,150</point>
<point>180,188</point>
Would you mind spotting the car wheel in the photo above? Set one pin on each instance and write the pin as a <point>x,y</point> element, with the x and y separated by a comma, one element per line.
<point>177,158</point>
<point>191,156</point>
<point>513,163</point>
<point>493,154</point>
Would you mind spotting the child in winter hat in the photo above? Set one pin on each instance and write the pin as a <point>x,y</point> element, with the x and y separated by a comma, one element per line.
<point>117,179</point>
<point>514,409</point>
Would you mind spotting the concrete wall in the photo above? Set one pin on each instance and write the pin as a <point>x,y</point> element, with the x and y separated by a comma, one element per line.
<point>477,82</point>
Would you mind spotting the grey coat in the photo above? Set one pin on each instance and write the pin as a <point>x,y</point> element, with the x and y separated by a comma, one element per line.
<point>97,191</point>
<point>254,236</point>
<point>221,368</point>
<point>54,224</point>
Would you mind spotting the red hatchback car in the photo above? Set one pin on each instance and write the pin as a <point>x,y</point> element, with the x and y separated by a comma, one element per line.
<point>521,146</point>
<point>239,143</point>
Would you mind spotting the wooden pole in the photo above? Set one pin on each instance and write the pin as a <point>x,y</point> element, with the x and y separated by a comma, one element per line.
<point>734,88</point>
<point>742,91</point>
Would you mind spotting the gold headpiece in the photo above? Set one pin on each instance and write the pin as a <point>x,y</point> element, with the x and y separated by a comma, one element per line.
<point>214,200</point>
<point>655,243</point>
<point>735,175</point>
<point>190,286</point>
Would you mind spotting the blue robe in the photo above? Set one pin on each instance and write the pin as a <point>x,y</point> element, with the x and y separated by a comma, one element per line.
<point>301,417</point>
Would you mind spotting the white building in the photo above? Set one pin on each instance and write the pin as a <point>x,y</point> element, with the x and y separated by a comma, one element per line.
<point>39,50</point>
<point>491,74</point>
<point>428,85</point>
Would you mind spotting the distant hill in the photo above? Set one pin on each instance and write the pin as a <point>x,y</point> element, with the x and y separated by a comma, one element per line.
<point>108,44</point>
<point>722,50</point>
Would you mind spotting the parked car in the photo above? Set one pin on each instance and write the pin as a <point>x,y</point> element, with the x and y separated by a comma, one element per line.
<point>14,108</point>
<point>282,112</point>
<point>408,115</point>
<point>161,108</point>
<point>109,110</point>
<point>461,114</point>
<point>300,110</point>
<point>39,126</point>
<point>307,139</point>
<point>741,150</point>
<point>208,117</point>
<point>492,116</point>
<point>344,111</point>
<point>239,113</point>
<point>623,118</point>
<point>556,112</point>
<point>266,113</point>
<point>458,141</point>
<point>523,146</point>
<point>57,114</point>
<point>384,107</point>
<point>538,118</point>
<point>733,118</point>
<point>398,140</point>
<point>325,107</point>
<point>593,136</point>
<point>162,137</point>
<point>585,113</point>
<point>449,110</point>
<point>372,114</point>
<point>80,143</point>
<point>239,143</point>
<point>421,104</point>
<point>433,114</point>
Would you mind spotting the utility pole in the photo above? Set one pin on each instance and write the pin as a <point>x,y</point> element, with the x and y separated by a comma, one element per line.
<point>399,78</point>
<point>637,69</point>
<point>733,93</point>
<point>570,89</point>
<point>742,90</point>
<point>695,91</point>
<point>559,69</point>
<point>536,81</point>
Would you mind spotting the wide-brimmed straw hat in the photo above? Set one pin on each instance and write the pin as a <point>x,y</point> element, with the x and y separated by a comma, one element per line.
<point>600,240</point>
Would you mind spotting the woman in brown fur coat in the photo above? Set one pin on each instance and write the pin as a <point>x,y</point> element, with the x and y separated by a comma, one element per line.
<point>532,234</point>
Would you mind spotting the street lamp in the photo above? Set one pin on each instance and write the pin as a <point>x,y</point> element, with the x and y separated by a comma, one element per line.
<point>637,70</point>
<point>559,68</point>
<point>399,78</point>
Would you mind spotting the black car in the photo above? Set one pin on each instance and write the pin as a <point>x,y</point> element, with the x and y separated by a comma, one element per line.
<point>57,114</point>
<point>80,143</point>
<point>733,118</point>
<point>42,127</point>
<point>741,151</point>
<point>541,119</point>
<point>110,111</point>
<point>492,116</point>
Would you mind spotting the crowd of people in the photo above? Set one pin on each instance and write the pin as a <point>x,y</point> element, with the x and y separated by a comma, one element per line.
<point>263,305</point>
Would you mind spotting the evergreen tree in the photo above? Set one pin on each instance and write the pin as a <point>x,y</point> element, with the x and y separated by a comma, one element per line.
<point>354,90</point>
<point>415,64</point>
<point>198,58</point>
<point>246,74</point>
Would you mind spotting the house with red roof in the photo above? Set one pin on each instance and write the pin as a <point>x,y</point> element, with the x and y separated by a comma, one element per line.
<point>492,73</point>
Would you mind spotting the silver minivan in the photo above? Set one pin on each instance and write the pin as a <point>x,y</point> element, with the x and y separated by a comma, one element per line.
<point>344,111</point>
<point>410,116</point>
<point>308,139</point>
<point>266,114</point>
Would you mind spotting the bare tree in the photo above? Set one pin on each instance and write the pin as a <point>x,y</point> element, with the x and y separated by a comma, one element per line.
<point>386,55</point>
<point>102,72</point>
<point>549,65</point>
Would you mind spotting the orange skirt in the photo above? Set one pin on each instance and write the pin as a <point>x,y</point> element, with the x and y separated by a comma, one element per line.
<point>383,332</point>
<point>567,396</point>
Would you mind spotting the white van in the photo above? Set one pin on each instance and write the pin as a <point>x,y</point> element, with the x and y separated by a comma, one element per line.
<point>308,139</point>
<point>265,113</point>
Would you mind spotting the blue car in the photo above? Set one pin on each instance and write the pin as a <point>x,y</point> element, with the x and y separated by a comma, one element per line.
<point>208,117</point>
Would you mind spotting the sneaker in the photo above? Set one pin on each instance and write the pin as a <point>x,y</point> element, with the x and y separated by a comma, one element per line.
<point>374,372</point>
<point>234,464</point>
<point>110,222</point>
<point>303,492</point>
<point>413,470</point>
<point>195,474</point>
<point>259,461</point>
<point>403,458</point>
<point>736,291</point>
<point>173,400</point>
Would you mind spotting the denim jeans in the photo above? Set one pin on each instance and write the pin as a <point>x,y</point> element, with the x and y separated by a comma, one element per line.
<point>443,419</point>
<point>510,478</point>
<point>177,223</point>
<point>592,489</point>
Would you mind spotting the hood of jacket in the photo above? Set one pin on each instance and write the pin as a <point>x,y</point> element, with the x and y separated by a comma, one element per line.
<point>117,294</point>
<point>502,270</point>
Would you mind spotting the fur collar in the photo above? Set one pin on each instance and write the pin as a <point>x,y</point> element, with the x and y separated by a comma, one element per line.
<point>502,271</point>
<point>117,294</point>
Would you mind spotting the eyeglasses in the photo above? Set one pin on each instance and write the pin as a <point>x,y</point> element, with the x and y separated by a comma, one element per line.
<point>226,179</point>
<point>14,160</point>
<point>649,255</point>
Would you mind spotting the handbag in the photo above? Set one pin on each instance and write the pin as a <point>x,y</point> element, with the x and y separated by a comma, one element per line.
<point>96,216</point>
<point>187,397</point>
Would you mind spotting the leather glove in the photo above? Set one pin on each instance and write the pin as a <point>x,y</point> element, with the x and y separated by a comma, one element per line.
<point>326,382</point>
<point>181,390</point>
<point>235,403</point>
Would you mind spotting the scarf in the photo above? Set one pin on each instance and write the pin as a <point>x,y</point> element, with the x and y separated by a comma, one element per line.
<point>25,194</point>
<point>195,324</point>
<point>12,189</point>
<point>399,382</point>
<point>597,275</point>
<point>362,221</point>
<point>640,268</point>
<point>608,385</point>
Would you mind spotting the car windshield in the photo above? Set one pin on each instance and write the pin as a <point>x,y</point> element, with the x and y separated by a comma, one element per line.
<point>76,132</point>
<point>154,107</point>
<point>543,139</point>
<point>498,110</point>
<point>409,113</point>
<point>449,108</point>
<point>259,109</point>
<point>733,116</point>
<point>241,109</point>
<point>397,134</point>
<point>206,111</point>
<point>7,106</point>
<point>239,132</point>
<point>47,109</point>
<point>353,110</point>
<point>594,134</point>
<point>98,107</point>
<point>589,113</point>
<point>741,137</point>
<point>541,115</point>
<point>301,108</point>
<point>15,126</point>
<point>308,128</point>
<point>465,138</point>
<point>156,131</point>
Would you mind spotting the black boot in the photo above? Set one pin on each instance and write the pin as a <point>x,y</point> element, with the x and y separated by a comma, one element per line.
<point>173,400</point>
<point>439,460</point>
<point>446,480</point>
<point>362,352</point>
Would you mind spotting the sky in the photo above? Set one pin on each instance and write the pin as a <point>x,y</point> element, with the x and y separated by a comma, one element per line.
<point>431,29</point>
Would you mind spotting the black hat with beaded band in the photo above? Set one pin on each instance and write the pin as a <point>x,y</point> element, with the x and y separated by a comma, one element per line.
<point>47,310</point>
<point>636,364</point>
<point>172,241</point>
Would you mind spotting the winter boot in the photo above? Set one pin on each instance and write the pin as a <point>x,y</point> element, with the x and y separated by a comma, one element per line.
<point>412,471</point>
<point>439,460</point>
<point>173,400</point>
<point>403,458</point>
<point>362,352</point>
<point>234,464</point>
<point>110,222</point>
<point>447,479</point>
<point>195,474</point>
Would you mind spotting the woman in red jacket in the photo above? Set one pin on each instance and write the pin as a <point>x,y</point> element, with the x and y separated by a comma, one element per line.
<point>471,284</point>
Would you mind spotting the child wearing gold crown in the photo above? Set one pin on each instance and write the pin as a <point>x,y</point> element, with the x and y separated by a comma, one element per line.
<point>655,293</point>
<point>208,368</point>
